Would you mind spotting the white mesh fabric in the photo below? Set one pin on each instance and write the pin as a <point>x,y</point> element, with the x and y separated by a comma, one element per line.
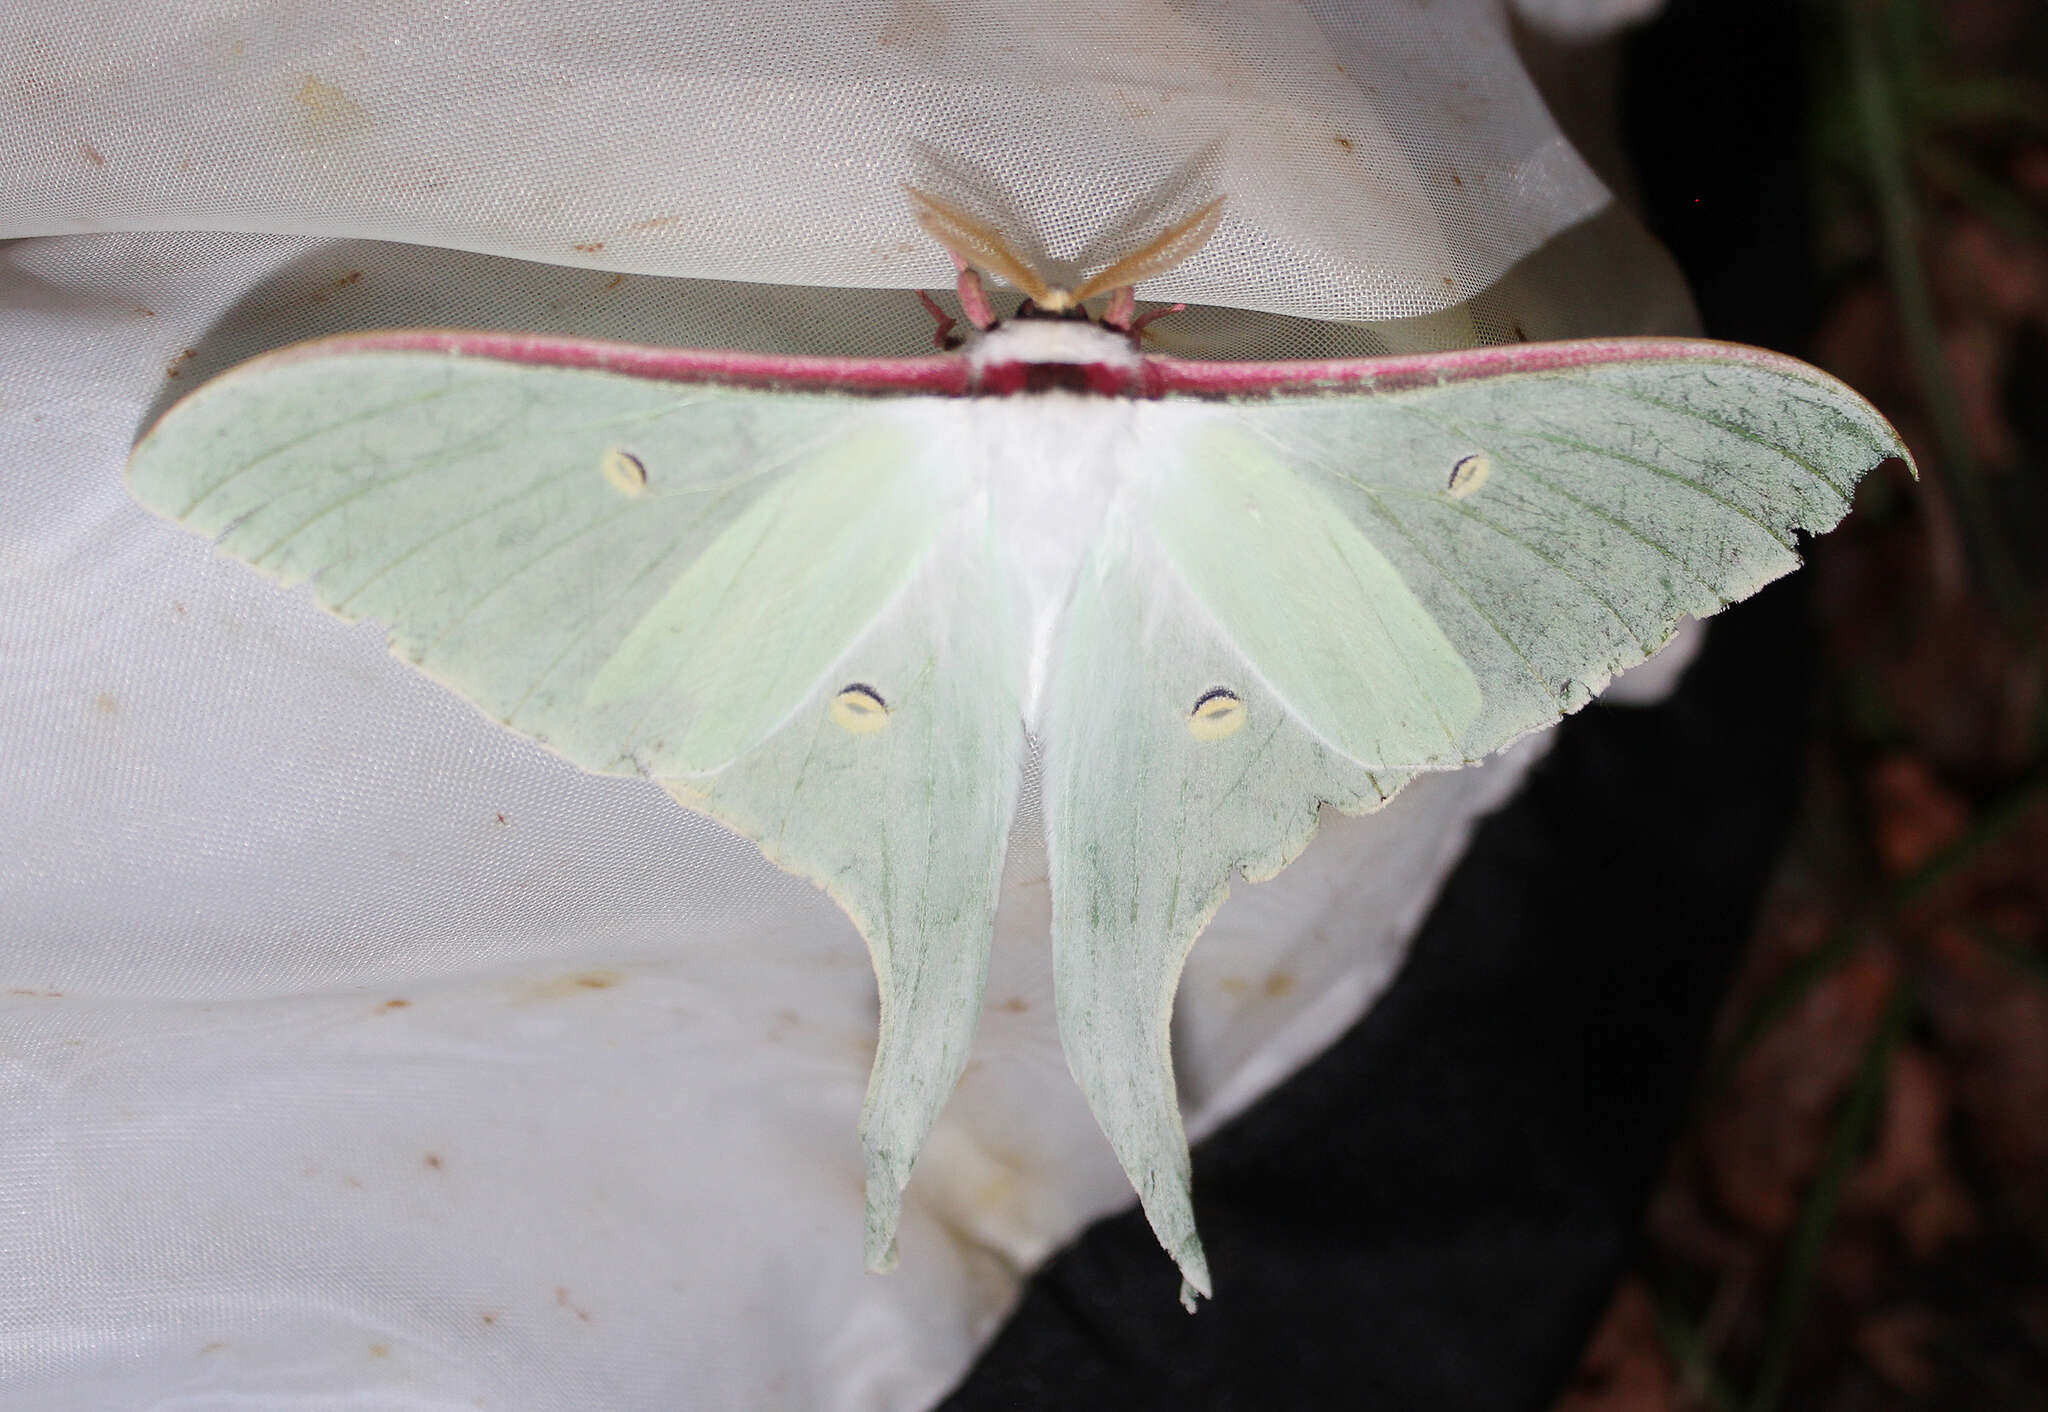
<point>1382,160</point>
<point>354,1052</point>
<point>1584,20</point>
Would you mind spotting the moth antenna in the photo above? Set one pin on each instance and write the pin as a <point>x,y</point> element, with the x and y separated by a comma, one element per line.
<point>973,243</point>
<point>1157,256</point>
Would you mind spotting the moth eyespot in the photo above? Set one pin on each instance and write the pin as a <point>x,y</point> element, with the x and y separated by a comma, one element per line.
<point>626,472</point>
<point>858,709</point>
<point>1468,475</point>
<point>1218,713</point>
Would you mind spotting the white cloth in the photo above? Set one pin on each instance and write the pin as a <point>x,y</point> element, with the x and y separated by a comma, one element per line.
<point>354,1052</point>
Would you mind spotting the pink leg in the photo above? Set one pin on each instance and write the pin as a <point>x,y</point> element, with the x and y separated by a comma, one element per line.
<point>1122,305</point>
<point>973,298</point>
<point>944,320</point>
<point>1138,324</point>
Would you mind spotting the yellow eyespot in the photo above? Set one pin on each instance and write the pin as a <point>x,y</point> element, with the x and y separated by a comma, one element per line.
<point>858,709</point>
<point>625,471</point>
<point>1468,475</point>
<point>1217,713</point>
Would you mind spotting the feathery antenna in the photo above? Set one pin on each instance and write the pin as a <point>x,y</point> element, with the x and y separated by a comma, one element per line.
<point>975,244</point>
<point>972,243</point>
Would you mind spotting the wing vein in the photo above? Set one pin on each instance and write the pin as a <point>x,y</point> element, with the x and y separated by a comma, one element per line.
<point>438,460</point>
<point>555,664</point>
<point>1623,458</point>
<point>540,556</point>
<point>725,490</point>
<point>314,434</point>
<point>538,487</point>
<point>1733,429</point>
<point>1592,590</point>
<point>1522,468</point>
<point>1415,543</point>
<point>1415,679</point>
<point>1451,580</point>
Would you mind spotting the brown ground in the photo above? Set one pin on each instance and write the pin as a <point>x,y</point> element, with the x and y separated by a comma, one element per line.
<point>1857,1216</point>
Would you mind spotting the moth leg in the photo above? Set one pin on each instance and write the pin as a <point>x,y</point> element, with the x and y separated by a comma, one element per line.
<point>1138,324</point>
<point>1123,304</point>
<point>943,337</point>
<point>973,296</point>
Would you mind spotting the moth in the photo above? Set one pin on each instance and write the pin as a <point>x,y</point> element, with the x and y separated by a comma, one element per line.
<point>833,602</point>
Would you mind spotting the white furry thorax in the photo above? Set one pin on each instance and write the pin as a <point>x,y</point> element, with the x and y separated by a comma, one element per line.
<point>1051,341</point>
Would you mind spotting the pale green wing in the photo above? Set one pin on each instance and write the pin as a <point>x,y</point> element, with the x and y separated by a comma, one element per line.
<point>680,580</point>
<point>1304,600</point>
<point>1309,601</point>
<point>903,817</point>
<point>1554,524</point>
<point>1148,812</point>
<point>642,575</point>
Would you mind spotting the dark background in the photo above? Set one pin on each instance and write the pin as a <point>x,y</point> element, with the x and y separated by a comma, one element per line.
<point>1726,1047</point>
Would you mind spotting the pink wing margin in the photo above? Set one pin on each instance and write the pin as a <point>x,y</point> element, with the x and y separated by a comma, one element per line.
<point>1173,377</point>
<point>941,374</point>
<point>951,375</point>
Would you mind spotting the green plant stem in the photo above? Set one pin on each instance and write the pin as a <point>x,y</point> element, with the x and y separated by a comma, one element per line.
<point>1885,153</point>
<point>1699,1380</point>
<point>1974,100</point>
<point>1986,197</point>
<point>2028,963</point>
<point>1791,986</point>
<point>1991,826</point>
<point>1817,1211</point>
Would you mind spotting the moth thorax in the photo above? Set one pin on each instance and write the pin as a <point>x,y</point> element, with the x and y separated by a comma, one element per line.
<point>1044,355</point>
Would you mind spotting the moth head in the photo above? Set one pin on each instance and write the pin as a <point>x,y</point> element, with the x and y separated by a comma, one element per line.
<point>975,246</point>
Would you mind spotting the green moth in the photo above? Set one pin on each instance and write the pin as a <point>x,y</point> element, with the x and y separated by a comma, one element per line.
<point>833,603</point>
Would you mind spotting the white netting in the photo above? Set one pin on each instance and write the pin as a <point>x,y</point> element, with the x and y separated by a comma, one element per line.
<point>353,1052</point>
<point>1381,161</point>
